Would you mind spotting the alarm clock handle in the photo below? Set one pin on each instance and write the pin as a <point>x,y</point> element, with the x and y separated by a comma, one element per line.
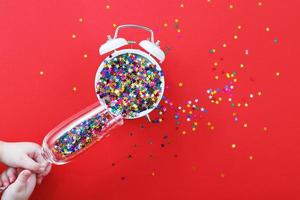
<point>134,26</point>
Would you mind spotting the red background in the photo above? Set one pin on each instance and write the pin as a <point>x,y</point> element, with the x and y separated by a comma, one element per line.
<point>36,36</point>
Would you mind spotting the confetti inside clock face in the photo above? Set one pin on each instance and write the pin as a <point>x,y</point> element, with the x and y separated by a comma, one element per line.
<point>129,84</point>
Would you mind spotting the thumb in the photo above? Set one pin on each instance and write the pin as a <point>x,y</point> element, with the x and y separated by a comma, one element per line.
<point>22,179</point>
<point>30,164</point>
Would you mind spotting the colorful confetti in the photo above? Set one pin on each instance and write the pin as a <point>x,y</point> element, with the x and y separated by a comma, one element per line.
<point>80,137</point>
<point>130,84</point>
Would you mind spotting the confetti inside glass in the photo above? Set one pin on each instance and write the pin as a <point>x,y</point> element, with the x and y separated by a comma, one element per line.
<point>78,133</point>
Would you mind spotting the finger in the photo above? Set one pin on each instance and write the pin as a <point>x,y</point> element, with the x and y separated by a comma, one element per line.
<point>21,181</point>
<point>40,159</point>
<point>40,179</point>
<point>11,173</point>
<point>28,163</point>
<point>41,176</point>
<point>4,179</point>
<point>47,170</point>
<point>30,185</point>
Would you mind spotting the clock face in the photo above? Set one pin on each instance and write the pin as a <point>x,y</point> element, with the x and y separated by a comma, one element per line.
<point>130,82</point>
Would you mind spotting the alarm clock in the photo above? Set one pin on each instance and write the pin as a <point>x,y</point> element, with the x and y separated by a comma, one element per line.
<point>129,84</point>
<point>130,80</point>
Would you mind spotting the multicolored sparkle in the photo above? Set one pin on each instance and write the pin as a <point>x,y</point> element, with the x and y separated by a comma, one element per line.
<point>80,137</point>
<point>130,84</point>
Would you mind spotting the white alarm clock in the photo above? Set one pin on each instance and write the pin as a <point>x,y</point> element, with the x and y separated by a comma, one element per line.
<point>130,81</point>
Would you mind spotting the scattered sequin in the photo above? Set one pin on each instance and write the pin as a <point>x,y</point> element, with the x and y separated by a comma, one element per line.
<point>212,51</point>
<point>222,175</point>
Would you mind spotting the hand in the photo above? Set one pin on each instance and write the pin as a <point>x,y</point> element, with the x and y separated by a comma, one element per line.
<point>22,188</point>
<point>26,155</point>
<point>8,176</point>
